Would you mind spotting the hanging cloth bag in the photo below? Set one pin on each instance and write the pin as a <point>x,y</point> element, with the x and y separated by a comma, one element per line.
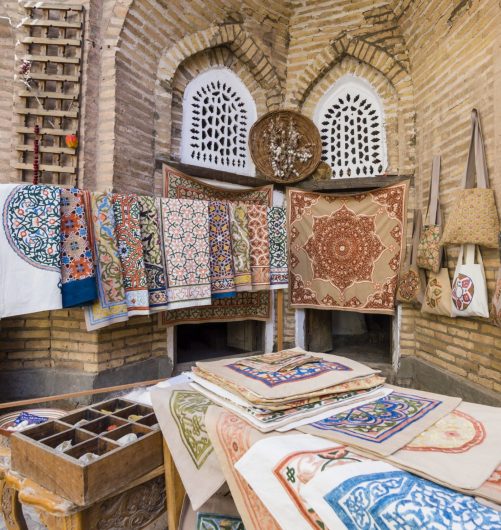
<point>429,253</point>
<point>412,280</point>
<point>469,288</point>
<point>438,293</point>
<point>496,298</point>
<point>474,218</point>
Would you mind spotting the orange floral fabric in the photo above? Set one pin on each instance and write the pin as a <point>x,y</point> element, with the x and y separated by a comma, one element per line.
<point>345,250</point>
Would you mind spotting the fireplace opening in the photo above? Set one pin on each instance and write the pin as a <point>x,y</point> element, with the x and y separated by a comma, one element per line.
<point>359,336</point>
<point>197,342</point>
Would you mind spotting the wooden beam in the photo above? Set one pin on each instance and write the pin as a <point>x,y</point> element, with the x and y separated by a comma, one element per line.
<point>280,320</point>
<point>213,174</point>
<point>174,489</point>
<point>352,184</point>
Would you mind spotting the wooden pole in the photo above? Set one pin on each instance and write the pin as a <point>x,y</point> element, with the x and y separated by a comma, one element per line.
<point>174,489</point>
<point>280,320</point>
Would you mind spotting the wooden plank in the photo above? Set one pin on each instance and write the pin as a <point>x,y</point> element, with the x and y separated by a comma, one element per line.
<point>52,59</point>
<point>55,77</point>
<point>45,5</point>
<point>53,113</point>
<point>43,95</point>
<point>54,41</point>
<point>45,167</point>
<point>52,23</point>
<point>174,489</point>
<point>57,150</point>
<point>51,132</point>
<point>213,174</point>
<point>280,320</point>
<point>352,184</point>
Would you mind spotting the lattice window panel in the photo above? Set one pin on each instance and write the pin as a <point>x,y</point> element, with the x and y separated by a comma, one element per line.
<point>218,111</point>
<point>351,123</point>
<point>53,45</point>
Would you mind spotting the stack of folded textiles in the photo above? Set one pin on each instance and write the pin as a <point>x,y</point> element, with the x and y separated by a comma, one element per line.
<point>283,390</point>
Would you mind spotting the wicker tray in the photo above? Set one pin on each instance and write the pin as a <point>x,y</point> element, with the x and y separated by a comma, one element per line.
<point>34,456</point>
<point>295,135</point>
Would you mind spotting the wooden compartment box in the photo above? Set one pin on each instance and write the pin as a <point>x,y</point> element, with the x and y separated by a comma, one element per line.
<point>96,429</point>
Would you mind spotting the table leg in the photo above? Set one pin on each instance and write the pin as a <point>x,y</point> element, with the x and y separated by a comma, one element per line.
<point>10,508</point>
<point>175,490</point>
<point>69,522</point>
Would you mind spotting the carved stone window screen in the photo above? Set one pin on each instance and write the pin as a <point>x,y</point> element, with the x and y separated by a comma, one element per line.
<point>218,111</point>
<point>350,118</point>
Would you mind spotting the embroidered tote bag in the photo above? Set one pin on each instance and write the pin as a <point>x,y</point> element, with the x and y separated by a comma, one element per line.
<point>496,299</point>
<point>438,293</point>
<point>412,280</point>
<point>469,289</point>
<point>429,253</point>
<point>474,218</point>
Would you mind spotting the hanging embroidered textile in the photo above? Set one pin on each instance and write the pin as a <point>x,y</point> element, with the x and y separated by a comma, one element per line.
<point>185,226</point>
<point>130,251</point>
<point>388,424</point>
<point>316,371</point>
<point>461,450</point>
<point>260,246</point>
<point>367,495</point>
<point>77,263</point>
<point>180,412</point>
<point>221,259</point>
<point>152,253</point>
<point>218,513</point>
<point>277,233</point>
<point>30,242</point>
<point>240,246</point>
<point>345,250</point>
<point>244,306</point>
<point>110,307</point>
<point>231,438</point>
<point>278,469</point>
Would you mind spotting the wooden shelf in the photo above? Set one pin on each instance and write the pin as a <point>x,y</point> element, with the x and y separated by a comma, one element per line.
<point>34,4</point>
<point>44,167</point>
<point>54,77</point>
<point>52,59</point>
<point>48,23</point>
<point>54,113</point>
<point>48,149</point>
<point>352,184</point>
<point>42,94</point>
<point>52,132</point>
<point>49,41</point>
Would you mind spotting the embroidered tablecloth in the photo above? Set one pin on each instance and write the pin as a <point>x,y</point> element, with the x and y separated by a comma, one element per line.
<point>259,246</point>
<point>77,261</point>
<point>110,307</point>
<point>30,242</point>
<point>345,250</point>
<point>130,251</point>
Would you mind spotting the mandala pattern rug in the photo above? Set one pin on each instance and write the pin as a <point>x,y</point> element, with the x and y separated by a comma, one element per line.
<point>345,250</point>
<point>110,306</point>
<point>377,496</point>
<point>30,242</point>
<point>130,251</point>
<point>231,438</point>
<point>77,262</point>
<point>152,253</point>
<point>180,412</point>
<point>245,305</point>
<point>388,424</point>
<point>278,469</point>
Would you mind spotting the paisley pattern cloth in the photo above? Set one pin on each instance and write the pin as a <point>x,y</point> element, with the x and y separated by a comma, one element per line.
<point>221,258</point>
<point>277,233</point>
<point>260,246</point>
<point>377,496</point>
<point>186,252</point>
<point>77,262</point>
<point>130,250</point>
<point>30,242</point>
<point>110,307</point>
<point>180,412</point>
<point>240,246</point>
<point>345,250</point>
<point>152,253</point>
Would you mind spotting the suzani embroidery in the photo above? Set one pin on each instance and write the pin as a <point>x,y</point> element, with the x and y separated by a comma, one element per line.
<point>298,373</point>
<point>396,500</point>
<point>378,421</point>
<point>260,246</point>
<point>31,219</point>
<point>240,246</point>
<point>188,410</point>
<point>277,233</point>
<point>212,521</point>
<point>463,291</point>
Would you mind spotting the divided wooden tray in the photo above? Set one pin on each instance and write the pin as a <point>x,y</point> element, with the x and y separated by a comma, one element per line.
<point>34,455</point>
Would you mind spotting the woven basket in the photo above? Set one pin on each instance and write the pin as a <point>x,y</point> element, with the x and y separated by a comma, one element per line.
<point>308,140</point>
